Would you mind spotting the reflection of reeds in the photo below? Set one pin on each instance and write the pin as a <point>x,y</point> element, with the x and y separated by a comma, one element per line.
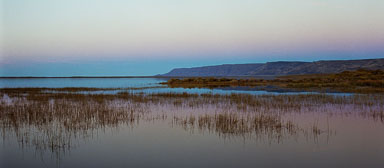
<point>54,121</point>
<point>50,125</point>
<point>234,124</point>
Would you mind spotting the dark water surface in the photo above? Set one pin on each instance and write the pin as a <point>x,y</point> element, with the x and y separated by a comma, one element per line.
<point>273,130</point>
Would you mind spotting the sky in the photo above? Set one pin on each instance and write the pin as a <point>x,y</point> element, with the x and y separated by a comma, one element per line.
<point>149,37</point>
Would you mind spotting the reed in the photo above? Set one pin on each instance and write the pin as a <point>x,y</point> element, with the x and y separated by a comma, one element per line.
<point>52,121</point>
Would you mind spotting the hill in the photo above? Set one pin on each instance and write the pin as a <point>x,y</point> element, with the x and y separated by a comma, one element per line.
<point>279,68</point>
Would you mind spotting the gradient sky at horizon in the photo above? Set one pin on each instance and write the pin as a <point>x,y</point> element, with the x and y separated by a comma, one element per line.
<point>148,37</point>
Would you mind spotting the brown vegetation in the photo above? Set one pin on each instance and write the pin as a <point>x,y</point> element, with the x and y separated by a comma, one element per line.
<point>359,81</point>
<point>52,121</point>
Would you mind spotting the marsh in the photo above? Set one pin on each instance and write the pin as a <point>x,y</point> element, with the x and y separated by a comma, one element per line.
<point>202,83</point>
<point>80,125</point>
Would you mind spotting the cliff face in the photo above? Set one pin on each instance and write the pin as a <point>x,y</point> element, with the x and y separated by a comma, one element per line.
<point>279,68</point>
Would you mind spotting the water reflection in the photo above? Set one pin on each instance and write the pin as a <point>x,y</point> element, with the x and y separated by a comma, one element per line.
<point>58,122</point>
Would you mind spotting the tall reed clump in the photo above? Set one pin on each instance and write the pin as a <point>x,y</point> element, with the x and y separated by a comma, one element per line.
<point>235,125</point>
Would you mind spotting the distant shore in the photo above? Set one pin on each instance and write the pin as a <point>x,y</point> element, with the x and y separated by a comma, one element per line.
<point>156,76</point>
<point>4,77</point>
<point>359,81</point>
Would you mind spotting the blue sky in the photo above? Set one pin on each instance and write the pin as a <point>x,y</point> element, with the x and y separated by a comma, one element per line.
<point>148,37</point>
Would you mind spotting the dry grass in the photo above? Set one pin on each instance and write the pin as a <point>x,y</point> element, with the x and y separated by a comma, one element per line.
<point>359,81</point>
<point>235,124</point>
<point>54,121</point>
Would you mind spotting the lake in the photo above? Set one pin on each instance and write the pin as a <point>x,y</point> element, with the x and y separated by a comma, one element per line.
<point>149,85</point>
<point>158,126</point>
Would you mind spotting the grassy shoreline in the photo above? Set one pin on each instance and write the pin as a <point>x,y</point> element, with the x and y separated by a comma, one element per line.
<point>359,81</point>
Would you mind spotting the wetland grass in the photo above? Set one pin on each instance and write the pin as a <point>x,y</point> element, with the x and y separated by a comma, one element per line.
<point>359,81</point>
<point>53,121</point>
<point>238,125</point>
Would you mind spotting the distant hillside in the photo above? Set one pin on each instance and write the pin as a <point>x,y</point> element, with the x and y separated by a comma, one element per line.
<point>280,68</point>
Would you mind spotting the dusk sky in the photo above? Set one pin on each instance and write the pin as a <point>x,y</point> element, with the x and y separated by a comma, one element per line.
<point>149,37</point>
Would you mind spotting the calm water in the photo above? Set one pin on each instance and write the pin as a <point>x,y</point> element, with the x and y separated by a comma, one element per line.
<point>80,82</point>
<point>133,83</point>
<point>357,143</point>
<point>339,131</point>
